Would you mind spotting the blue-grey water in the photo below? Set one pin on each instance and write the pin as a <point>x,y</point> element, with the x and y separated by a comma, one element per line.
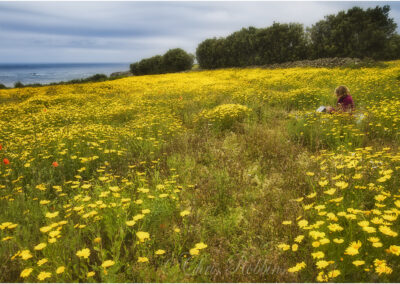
<point>45,73</point>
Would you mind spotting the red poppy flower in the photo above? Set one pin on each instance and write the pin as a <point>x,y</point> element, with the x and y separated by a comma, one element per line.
<point>55,164</point>
<point>6,161</point>
<point>1,146</point>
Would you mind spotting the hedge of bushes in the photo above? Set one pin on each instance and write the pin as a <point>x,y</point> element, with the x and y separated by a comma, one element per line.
<point>354,33</point>
<point>174,60</point>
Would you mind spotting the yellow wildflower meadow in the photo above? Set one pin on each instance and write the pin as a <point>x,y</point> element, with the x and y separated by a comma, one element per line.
<point>145,178</point>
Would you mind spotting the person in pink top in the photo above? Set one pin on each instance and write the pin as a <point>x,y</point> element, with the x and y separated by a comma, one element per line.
<point>345,102</point>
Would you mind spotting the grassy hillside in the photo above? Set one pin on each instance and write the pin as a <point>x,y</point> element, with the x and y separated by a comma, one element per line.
<point>224,175</point>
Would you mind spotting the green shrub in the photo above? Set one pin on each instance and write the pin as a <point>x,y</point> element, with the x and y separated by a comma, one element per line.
<point>211,53</point>
<point>355,33</point>
<point>134,67</point>
<point>176,60</point>
<point>18,85</point>
<point>96,78</point>
<point>152,65</point>
<point>251,46</point>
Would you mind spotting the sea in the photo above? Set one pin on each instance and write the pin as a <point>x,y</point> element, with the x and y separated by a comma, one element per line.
<point>45,73</point>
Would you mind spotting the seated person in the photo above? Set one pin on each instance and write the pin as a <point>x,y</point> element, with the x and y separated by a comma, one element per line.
<point>345,101</point>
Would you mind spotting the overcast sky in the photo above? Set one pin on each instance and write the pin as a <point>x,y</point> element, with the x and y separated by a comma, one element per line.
<point>129,31</point>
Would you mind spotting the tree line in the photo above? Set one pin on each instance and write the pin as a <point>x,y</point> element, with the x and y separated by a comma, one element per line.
<point>353,33</point>
<point>356,33</point>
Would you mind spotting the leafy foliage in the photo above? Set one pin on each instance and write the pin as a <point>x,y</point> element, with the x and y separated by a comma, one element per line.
<point>355,33</point>
<point>252,46</point>
<point>174,60</point>
<point>18,85</point>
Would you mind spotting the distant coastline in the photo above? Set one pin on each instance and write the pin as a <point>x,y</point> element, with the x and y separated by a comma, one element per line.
<point>48,73</point>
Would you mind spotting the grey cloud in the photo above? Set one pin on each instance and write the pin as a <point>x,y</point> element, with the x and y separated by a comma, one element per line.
<point>126,31</point>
